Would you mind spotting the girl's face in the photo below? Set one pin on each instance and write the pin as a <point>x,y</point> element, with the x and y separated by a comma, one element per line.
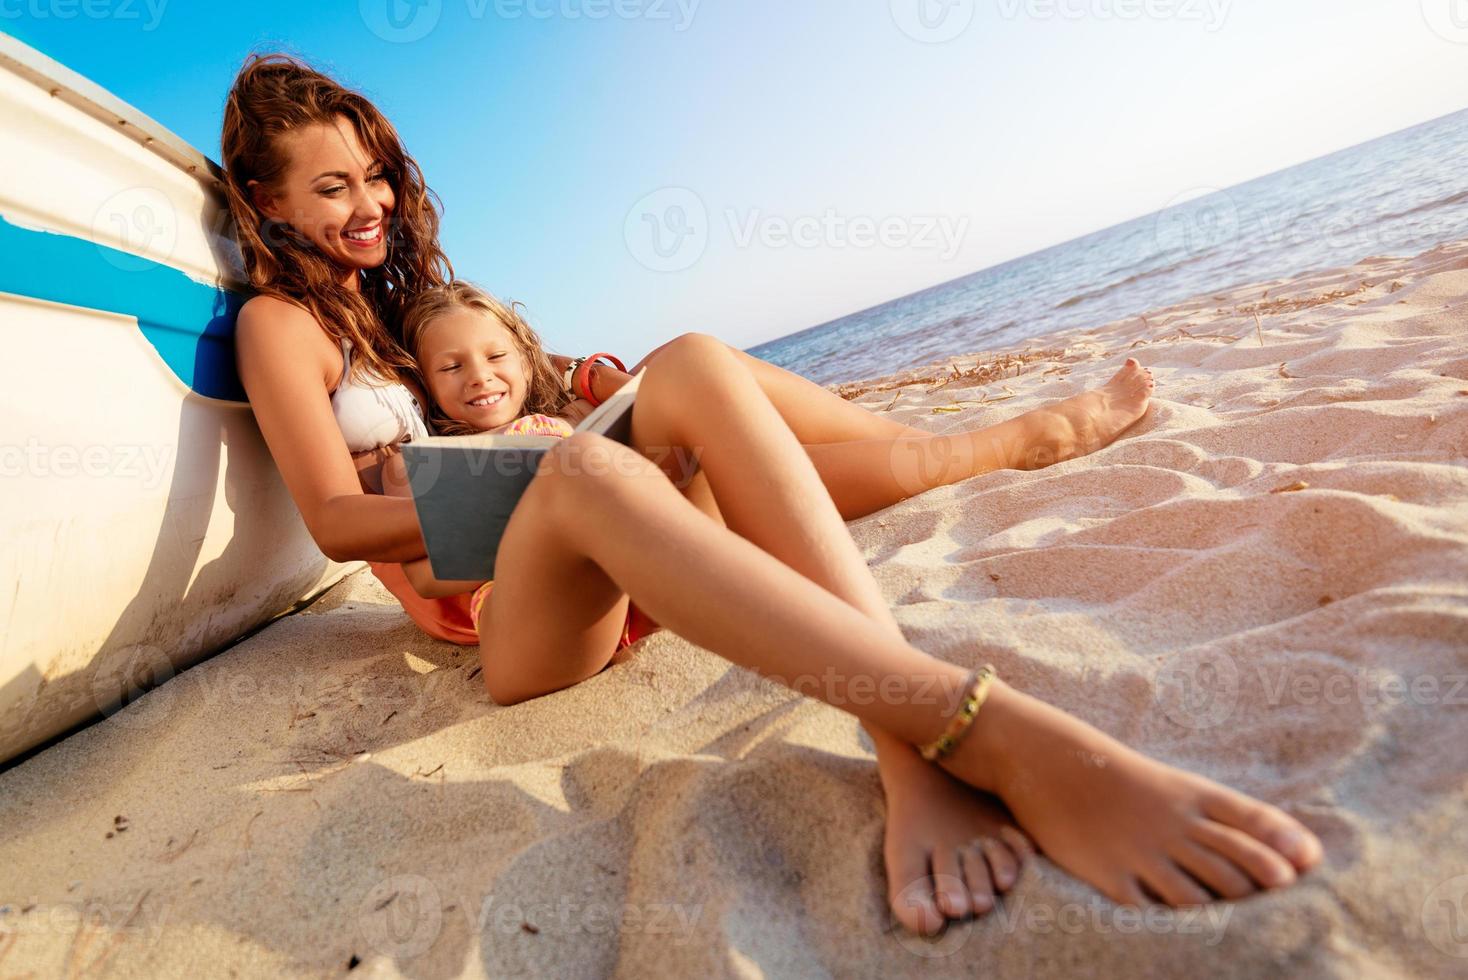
<point>474,368</point>
<point>333,194</point>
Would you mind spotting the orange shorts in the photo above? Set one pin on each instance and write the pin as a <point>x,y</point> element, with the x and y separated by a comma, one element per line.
<point>637,625</point>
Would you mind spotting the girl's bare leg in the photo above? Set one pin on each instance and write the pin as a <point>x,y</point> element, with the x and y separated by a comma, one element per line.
<point>1125,823</point>
<point>868,462</point>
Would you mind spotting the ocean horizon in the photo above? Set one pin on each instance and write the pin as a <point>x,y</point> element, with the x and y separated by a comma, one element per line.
<point>1397,194</point>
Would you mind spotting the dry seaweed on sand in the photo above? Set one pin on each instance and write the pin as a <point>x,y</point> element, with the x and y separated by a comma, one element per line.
<point>1273,307</point>
<point>941,376</point>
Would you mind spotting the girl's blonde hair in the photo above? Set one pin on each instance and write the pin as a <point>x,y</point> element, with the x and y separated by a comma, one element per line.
<point>544,394</point>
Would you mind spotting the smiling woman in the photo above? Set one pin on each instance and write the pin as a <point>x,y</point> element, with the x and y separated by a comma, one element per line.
<point>348,227</point>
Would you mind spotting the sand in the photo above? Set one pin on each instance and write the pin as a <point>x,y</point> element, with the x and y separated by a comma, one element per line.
<point>339,790</point>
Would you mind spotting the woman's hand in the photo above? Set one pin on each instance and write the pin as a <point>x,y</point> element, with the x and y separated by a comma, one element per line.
<point>575,410</point>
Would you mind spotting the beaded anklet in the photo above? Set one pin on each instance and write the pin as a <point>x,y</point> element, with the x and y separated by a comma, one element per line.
<point>976,692</point>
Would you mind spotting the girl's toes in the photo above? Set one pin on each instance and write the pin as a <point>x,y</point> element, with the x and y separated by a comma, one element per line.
<point>980,885</point>
<point>1002,862</point>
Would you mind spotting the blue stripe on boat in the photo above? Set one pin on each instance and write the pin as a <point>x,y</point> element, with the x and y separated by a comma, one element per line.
<point>191,325</point>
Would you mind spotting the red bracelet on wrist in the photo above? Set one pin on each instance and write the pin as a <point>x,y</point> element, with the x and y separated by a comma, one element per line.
<point>581,380</point>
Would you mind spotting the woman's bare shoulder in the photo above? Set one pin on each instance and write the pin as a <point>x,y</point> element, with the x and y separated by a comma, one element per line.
<point>262,313</point>
<point>269,329</point>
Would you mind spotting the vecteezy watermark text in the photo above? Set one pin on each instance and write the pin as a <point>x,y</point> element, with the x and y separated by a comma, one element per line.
<point>37,459</point>
<point>1202,690</point>
<point>670,229</point>
<point>89,9</point>
<point>939,21</point>
<point>404,21</point>
<point>1096,916</point>
<point>1211,13</point>
<point>403,916</point>
<point>833,230</point>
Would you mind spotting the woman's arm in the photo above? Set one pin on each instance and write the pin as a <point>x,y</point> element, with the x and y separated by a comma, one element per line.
<point>605,379</point>
<point>418,571</point>
<point>276,345</point>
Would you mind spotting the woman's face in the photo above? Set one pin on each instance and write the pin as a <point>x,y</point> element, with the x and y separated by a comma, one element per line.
<point>474,368</point>
<point>333,194</point>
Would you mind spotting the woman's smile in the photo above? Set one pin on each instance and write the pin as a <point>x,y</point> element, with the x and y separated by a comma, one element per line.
<point>366,237</point>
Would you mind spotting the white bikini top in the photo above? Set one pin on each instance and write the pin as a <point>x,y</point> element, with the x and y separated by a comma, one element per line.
<point>375,415</point>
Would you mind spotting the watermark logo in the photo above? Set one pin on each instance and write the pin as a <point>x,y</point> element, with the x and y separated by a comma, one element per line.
<point>1448,19</point>
<point>127,675</point>
<point>932,21</point>
<point>668,230</point>
<point>401,917</point>
<point>400,21</point>
<point>1199,691</point>
<point>1445,917</point>
<point>136,222</point>
<point>916,896</point>
<point>1194,222</point>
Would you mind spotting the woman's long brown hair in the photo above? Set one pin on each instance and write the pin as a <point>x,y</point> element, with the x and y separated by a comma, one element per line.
<point>273,95</point>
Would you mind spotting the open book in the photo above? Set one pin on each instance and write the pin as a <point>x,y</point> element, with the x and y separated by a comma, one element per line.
<point>465,487</point>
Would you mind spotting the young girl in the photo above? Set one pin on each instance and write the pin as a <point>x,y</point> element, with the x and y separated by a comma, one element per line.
<point>484,370</point>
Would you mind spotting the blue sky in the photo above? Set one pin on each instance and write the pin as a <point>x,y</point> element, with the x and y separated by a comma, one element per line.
<point>632,169</point>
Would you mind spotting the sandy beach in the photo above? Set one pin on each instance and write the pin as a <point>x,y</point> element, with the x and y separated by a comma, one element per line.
<point>1265,581</point>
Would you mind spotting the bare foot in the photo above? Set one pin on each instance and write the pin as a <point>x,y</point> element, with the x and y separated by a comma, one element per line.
<point>1092,419</point>
<point>1134,828</point>
<point>949,850</point>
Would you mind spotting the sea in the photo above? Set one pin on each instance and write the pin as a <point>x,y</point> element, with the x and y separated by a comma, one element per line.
<point>1397,195</point>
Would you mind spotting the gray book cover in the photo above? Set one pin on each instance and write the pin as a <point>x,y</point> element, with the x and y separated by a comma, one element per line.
<point>465,487</point>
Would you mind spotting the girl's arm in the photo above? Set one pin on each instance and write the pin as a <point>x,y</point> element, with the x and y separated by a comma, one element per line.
<point>418,571</point>
<point>288,391</point>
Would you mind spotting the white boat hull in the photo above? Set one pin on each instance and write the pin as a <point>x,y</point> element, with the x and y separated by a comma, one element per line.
<point>144,525</point>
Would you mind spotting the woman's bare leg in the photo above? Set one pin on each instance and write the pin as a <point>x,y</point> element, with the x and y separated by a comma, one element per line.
<point>948,849</point>
<point>866,476</point>
<point>1125,823</point>
<point>868,462</point>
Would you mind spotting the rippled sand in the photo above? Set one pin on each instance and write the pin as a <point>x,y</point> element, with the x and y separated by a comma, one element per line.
<point>1265,580</point>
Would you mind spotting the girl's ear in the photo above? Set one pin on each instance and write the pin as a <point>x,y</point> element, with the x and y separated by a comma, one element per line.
<point>263,200</point>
